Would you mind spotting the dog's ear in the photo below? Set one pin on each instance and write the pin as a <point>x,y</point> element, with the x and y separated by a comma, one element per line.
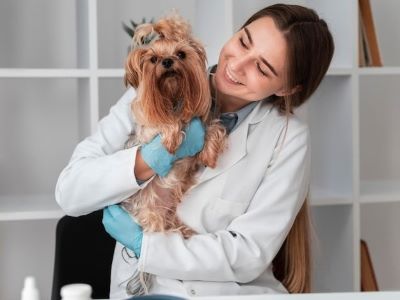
<point>133,68</point>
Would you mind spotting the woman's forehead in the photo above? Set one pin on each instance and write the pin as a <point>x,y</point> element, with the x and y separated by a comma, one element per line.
<point>268,39</point>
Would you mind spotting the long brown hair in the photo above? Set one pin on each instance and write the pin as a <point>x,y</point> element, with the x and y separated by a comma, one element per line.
<point>310,49</point>
<point>292,264</point>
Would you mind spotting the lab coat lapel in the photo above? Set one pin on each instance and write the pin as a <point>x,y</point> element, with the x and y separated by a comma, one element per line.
<point>236,143</point>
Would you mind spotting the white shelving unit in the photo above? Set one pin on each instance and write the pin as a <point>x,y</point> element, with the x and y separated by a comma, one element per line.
<point>61,69</point>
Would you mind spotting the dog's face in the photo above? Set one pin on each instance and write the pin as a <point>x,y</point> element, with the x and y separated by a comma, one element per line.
<point>167,66</point>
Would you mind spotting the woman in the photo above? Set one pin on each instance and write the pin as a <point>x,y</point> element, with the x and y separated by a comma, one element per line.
<point>244,209</point>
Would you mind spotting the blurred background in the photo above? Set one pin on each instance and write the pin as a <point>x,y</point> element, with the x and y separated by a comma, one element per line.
<point>61,69</point>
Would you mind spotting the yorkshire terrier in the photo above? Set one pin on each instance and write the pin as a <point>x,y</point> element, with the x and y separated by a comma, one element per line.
<point>167,67</point>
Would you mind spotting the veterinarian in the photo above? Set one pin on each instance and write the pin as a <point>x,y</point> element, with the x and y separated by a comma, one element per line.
<point>250,212</point>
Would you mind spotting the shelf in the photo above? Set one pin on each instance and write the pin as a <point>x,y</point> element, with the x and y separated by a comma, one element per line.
<point>380,225</point>
<point>61,73</point>
<point>329,115</point>
<point>332,245</point>
<point>32,207</point>
<point>340,71</point>
<point>379,108</point>
<point>39,34</point>
<point>321,197</point>
<point>42,120</point>
<point>45,73</point>
<point>380,191</point>
<point>319,201</point>
<point>111,73</point>
<point>379,71</point>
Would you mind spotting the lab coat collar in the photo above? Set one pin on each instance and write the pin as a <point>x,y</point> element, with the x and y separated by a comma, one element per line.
<point>237,142</point>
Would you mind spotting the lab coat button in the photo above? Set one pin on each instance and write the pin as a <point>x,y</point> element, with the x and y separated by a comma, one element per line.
<point>193,292</point>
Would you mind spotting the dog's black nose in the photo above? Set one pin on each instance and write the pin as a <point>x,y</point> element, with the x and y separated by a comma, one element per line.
<point>167,63</point>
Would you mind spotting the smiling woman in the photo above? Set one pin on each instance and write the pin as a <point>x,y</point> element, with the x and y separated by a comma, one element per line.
<point>244,73</point>
<point>249,212</point>
<point>275,56</point>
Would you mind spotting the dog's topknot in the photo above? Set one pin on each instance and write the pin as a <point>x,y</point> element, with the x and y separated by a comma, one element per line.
<point>175,25</point>
<point>172,26</point>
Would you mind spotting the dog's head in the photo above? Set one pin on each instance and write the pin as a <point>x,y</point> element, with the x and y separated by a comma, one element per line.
<point>167,66</point>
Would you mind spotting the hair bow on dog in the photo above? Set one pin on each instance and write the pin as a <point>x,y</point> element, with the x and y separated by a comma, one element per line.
<point>136,33</point>
<point>144,40</point>
<point>151,37</point>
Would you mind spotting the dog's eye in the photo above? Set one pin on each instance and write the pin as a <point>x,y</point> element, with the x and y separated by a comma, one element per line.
<point>181,54</point>
<point>153,59</point>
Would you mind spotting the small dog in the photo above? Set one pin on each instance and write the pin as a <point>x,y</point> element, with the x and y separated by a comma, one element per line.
<point>167,67</point>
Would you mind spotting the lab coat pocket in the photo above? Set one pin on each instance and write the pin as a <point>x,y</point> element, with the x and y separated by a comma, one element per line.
<point>221,212</point>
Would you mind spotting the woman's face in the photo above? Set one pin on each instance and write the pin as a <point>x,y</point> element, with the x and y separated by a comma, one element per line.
<point>251,65</point>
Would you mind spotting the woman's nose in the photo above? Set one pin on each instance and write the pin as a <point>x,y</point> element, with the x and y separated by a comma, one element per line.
<point>238,63</point>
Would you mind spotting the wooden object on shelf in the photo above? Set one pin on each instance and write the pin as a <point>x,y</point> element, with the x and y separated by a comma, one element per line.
<point>364,56</point>
<point>370,44</point>
<point>368,279</point>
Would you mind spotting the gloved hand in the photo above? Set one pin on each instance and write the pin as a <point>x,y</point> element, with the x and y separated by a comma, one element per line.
<point>161,161</point>
<point>120,225</point>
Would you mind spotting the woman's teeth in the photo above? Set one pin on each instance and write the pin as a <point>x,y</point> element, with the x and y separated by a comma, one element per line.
<point>231,77</point>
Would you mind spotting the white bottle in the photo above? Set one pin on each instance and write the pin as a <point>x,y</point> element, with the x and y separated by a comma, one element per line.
<point>30,291</point>
<point>76,291</point>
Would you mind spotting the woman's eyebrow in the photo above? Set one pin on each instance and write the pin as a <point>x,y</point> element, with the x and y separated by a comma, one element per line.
<point>261,58</point>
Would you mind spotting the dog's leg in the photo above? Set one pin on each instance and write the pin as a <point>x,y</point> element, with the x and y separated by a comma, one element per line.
<point>147,206</point>
<point>154,207</point>
<point>214,145</point>
<point>172,137</point>
<point>181,180</point>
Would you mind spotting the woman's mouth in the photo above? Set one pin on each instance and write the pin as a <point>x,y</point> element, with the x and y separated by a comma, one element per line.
<point>230,77</point>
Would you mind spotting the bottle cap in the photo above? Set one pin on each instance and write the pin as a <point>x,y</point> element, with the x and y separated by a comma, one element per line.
<point>30,291</point>
<point>76,290</point>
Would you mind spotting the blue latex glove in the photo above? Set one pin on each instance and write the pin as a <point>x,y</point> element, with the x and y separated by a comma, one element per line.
<point>120,225</point>
<point>161,161</point>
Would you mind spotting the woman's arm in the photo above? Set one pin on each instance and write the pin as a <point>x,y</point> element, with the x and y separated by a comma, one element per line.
<point>101,172</point>
<point>247,247</point>
<point>142,170</point>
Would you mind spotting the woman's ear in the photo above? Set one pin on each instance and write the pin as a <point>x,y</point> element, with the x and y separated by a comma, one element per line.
<point>283,92</point>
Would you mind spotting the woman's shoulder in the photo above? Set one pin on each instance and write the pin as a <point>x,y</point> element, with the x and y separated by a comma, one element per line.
<point>128,96</point>
<point>298,124</point>
<point>123,105</point>
<point>271,116</point>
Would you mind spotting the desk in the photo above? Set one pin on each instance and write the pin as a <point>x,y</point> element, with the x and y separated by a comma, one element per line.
<point>395,295</point>
<point>313,296</point>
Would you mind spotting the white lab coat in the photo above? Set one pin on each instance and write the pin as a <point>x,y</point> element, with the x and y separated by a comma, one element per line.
<point>242,209</point>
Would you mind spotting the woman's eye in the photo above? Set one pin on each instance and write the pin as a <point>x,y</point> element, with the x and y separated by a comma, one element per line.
<point>153,59</point>
<point>181,54</point>
<point>261,71</point>
<point>242,43</point>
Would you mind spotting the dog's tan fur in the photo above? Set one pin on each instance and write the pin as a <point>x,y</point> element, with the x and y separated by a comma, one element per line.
<point>164,105</point>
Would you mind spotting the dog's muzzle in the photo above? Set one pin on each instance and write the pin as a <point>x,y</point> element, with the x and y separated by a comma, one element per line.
<point>167,63</point>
